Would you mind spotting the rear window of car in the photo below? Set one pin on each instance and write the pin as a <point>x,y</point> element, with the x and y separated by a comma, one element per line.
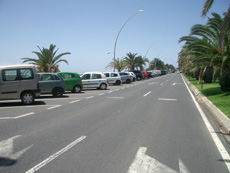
<point>47,77</point>
<point>107,74</point>
<point>114,75</point>
<point>96,76</point>
<point>69,76</point>
<point>26,74</point>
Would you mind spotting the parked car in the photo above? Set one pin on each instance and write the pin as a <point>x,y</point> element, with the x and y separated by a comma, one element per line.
<point>138,74</point>
<point>19,82</point>
<point>150,74</point>
<point>164,72</point>
<point>73,81</point>
<point>126,77</point>
<point>157,72</point>
<point>113,78</point>
<point>134,76</point>
<point>145,74</point>
<point>94,80</point>
<point>51,83</point>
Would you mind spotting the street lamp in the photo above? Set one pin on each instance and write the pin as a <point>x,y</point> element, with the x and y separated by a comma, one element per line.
<point>139,11</point>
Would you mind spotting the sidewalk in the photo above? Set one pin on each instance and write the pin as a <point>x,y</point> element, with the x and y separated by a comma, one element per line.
<point>222,120</point>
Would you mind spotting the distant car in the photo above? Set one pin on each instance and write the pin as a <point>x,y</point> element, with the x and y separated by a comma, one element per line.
<point>126,77</point>
<point>150,74</point>
<point>145,74</point>
<point>51,83</point>
<point>134,76</point>
<point>164,72</point>
<point>113,78</point>
<point>138,74</point>
<point>157,72</point>
<point>94,80</point>
<point>72,81</point>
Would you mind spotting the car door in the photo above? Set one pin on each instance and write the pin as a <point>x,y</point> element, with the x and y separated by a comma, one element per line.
<point>9,84</point>
<point>114,77</point>
<point>47,83</point>
<point>86,80</point>
<point>69,81</point>
<point>96,80</point>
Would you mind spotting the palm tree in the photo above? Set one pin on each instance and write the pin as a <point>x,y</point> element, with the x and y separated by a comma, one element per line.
<point>225,25</point>
<point>119,65</point>
<point>131,60</point>
<point>156,64</point>
<point>203,46</point>
<point>47,59</point>
<point>141,62</point>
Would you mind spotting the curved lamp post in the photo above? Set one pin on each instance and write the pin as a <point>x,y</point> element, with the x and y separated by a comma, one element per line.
<point>139,11</point>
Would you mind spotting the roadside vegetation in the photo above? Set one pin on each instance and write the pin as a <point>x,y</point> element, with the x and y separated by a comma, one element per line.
<point>206,52</point>
<point>214,93</point>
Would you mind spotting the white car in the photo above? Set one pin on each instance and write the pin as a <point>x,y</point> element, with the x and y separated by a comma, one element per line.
<point>113,78</point>
<point>134,76</point>
<point>94,80</point>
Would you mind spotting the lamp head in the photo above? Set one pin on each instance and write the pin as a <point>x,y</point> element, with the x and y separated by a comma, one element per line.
<point>140,11</point>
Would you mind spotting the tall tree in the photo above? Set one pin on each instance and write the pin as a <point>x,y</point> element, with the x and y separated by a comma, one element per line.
<point>119,65</point>
<point>47,59</point>
<point>225,25</point>
<point>156,64</point>
<point>202,45</point>
<point>131,60</point>
<point>141,62</point>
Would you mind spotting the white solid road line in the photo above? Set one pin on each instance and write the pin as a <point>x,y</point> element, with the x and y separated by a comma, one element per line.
<point>147,94</point>
<point>90,97</point>
<point>54,107</point>
<point>54,156</point>
<point>20,116</point>
<point>167,99</point>
<point>74,101</point>
<point>215,138</point>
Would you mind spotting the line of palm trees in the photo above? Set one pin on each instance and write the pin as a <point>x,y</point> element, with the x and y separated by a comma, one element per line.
<point>134,61</point>
<point>206,52</point>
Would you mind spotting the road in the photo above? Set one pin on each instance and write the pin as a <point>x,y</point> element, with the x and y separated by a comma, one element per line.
<point>147,126</point>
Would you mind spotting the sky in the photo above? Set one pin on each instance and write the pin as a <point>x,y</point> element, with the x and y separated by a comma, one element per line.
<point>88,29</point>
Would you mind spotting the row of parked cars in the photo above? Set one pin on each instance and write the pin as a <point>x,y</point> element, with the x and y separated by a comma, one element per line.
<point>23,82</point>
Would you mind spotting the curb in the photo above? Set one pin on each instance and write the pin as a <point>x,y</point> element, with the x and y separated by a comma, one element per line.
<point>223,120</point>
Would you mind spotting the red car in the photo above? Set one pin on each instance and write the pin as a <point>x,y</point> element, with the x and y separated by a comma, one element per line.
<point>145,74</point>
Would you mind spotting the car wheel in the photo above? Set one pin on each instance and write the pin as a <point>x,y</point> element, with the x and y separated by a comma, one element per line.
<point>134,79</point>
<point>138,78</point>
<point>103,86</point>
<point>57,92</point>
<point>118,82</point>
<point>27,98</point>
<point>77,89</point>
<point>128,81</point>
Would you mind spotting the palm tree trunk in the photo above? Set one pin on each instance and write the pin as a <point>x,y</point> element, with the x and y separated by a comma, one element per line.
<point>200,75</point>
<point>203,77</point>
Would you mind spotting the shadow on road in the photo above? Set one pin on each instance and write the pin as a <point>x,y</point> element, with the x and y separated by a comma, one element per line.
<point>7,161</point>
<point>10,104</point>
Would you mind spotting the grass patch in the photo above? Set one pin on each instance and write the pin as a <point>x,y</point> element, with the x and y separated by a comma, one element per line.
<point>214,93</point>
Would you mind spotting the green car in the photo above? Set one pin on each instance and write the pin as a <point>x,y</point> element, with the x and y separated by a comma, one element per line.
<point>72,81</point>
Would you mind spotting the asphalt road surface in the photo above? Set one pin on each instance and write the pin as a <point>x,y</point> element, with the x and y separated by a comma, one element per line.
<point>149,126</point>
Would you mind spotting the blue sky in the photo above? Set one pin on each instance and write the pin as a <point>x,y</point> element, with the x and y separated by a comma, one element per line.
<point>88,29</point>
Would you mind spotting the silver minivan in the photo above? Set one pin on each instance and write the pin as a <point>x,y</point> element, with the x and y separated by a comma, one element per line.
<point>19,82</point>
